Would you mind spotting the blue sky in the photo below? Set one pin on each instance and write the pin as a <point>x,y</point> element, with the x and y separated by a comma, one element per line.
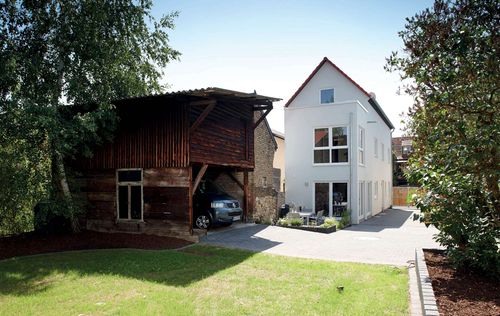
<point>272,46</point>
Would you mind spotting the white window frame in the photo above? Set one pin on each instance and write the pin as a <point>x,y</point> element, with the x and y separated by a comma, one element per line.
<point>330,195</point>
<point>361,147</point>
<point>330,146</point>
<point>376,147</point>
<point>388,156</point>
<point>375,190</point>
<point>329,88</point>
<point>129,184</point>
<point>382,151</point>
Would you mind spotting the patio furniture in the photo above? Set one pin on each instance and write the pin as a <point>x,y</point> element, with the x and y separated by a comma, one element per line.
<point>318,218</point>
<point>305,216</point>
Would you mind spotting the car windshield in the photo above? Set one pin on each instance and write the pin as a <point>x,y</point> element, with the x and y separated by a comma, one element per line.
<point>208,186</point>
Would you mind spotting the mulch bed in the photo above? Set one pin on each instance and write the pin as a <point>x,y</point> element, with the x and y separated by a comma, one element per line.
<point>461,292</point>
<point>30,243</point>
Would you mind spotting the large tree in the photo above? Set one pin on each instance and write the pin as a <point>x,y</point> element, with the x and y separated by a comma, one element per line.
<point>451,66</point>
<point>55,54</point>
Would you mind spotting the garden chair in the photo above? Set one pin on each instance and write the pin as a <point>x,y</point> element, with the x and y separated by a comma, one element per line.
<point>318,218</point>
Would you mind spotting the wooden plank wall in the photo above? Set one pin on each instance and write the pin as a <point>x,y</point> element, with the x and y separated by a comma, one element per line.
<point>402,195</point>
<point>165,193</point>
<point>225,137</point>
<point>148,136</point>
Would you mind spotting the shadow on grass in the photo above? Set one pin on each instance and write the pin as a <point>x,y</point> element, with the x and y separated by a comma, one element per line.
<point>179,268</point>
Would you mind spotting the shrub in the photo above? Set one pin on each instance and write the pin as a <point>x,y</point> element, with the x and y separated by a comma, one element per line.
<point>330,222</point>
<point>296,221</point>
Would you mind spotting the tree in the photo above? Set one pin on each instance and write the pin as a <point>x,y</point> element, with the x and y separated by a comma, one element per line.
<point>55,54</point>
<point>451,66</point>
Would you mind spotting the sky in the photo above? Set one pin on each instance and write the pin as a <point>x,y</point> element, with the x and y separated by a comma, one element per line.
<point>272,46</point>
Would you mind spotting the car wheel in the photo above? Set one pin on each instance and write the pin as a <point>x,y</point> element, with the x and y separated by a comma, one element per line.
<point>203,221</point>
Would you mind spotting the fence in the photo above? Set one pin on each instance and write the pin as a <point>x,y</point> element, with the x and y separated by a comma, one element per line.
<point>402,195</point>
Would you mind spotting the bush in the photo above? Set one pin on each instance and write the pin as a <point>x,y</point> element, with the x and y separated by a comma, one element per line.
<point>296,221</point>
<point>330,222</point>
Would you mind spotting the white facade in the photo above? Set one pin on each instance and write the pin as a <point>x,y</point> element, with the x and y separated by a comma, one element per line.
<point>328,182</point>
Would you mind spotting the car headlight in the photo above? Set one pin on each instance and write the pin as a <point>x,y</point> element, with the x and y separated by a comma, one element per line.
<point>217,205</point>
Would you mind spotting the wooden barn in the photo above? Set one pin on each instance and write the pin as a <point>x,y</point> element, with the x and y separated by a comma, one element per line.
<point>165,145</point>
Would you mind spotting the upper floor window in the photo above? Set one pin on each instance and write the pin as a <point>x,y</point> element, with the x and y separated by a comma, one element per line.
<point>376,147</point>
<point>361,146</point>
<point>331,145</point>
<point>382,150</point>
<point>327,96</point>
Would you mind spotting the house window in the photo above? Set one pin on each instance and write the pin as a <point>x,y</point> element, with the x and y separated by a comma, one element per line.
<point>361,146</point>
<point>375,193</point>
<point>361,199</point>
<point>327,96</point>
<point>382,151</point>
<point>376,147</point>
<point>129,192</point>
<point>388,156</point>
<point>331,197</point>
<point>330,145</point>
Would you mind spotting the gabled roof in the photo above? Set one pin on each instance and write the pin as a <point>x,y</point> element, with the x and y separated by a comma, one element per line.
<point>325,60</point>
<point>371,99</point>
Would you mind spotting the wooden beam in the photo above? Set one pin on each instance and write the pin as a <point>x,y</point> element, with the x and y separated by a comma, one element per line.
<point>199,176</point>
<point>190,202</point>
<point>202,117</point>
<point>261,118</point>
<point>246,195</point>
<point>231,175</point>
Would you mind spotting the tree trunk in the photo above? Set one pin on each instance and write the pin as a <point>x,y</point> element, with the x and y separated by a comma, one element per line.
<point>63,184</point>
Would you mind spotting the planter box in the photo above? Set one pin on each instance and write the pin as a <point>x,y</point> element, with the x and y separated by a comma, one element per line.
<point>315,229</point>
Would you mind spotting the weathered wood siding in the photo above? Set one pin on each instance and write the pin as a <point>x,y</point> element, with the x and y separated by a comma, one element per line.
<point>225,137</point>
<point>148,136</point>
<point>165,195</point>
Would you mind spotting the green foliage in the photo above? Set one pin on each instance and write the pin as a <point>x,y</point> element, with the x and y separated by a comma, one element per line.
<point>451,60</point>
<point>330,222</point>
<point>296,222</point>
<point>61,65</point>
<point>282,222</point>
<point>345,220</point>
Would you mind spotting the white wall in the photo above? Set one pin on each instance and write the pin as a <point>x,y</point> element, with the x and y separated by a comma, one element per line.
<point>351,108</point>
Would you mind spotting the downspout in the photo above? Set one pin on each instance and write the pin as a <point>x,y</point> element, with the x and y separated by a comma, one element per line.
<point>351,162</point>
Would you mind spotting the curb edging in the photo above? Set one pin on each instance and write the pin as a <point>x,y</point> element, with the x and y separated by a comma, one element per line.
<point>427,298</point>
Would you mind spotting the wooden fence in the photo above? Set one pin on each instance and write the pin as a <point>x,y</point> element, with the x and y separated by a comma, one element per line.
<point>402,195</point>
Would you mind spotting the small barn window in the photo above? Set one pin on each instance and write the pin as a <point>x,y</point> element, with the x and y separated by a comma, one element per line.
<point>129,191</point>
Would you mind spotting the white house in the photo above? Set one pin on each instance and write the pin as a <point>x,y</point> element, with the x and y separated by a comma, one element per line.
<point>338,147</point>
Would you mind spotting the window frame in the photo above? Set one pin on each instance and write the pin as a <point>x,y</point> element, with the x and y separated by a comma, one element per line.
<point>375,190</point>
<point>323,89</point>
<point>361,147</point>
<point>330,146</point>
<point>129,184</point>
<point>376,147</point>
<point>382,151</point>
<point>330,194</point>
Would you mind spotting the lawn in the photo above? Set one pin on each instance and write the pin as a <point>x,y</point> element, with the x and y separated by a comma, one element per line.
<point>199,280</point>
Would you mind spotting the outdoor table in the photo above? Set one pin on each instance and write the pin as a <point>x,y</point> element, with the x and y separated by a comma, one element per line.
<point>305,215</point>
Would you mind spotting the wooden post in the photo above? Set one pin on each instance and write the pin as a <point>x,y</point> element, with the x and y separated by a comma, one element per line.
<point>190,203</point>
<point>246,196</point>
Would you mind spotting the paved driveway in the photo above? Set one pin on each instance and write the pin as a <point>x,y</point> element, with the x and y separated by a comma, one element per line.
<point>387,238</point>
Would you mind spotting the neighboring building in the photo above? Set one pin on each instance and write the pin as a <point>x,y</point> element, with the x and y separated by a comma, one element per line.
<point>279,166</point>
<point>279,160</point>
<point>338,146</point>
<point>165,145</point>
<point>401,149</point>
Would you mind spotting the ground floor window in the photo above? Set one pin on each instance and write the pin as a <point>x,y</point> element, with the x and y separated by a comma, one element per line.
<point>331,197</point>
<point>130,195</point>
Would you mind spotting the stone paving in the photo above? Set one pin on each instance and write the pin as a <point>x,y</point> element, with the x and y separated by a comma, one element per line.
<point>387,238</point>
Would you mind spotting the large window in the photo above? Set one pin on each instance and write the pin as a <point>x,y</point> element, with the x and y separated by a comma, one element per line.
<point>361,146</point>
<point>327,96</point>
<point>331,145</point>
<point>331,197</point>
<point>129,190</point>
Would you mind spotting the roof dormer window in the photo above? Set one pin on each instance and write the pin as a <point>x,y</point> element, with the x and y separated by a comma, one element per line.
<point>327,96</point>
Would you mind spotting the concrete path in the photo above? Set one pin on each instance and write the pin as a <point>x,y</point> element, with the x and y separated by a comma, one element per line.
<point>387,238</point>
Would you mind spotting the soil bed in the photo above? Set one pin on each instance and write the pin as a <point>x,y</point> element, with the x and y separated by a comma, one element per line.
<point>461,292</point>
<point>30,243</point>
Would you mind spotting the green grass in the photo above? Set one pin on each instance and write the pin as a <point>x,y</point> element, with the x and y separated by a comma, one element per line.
<point>200,280</point>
